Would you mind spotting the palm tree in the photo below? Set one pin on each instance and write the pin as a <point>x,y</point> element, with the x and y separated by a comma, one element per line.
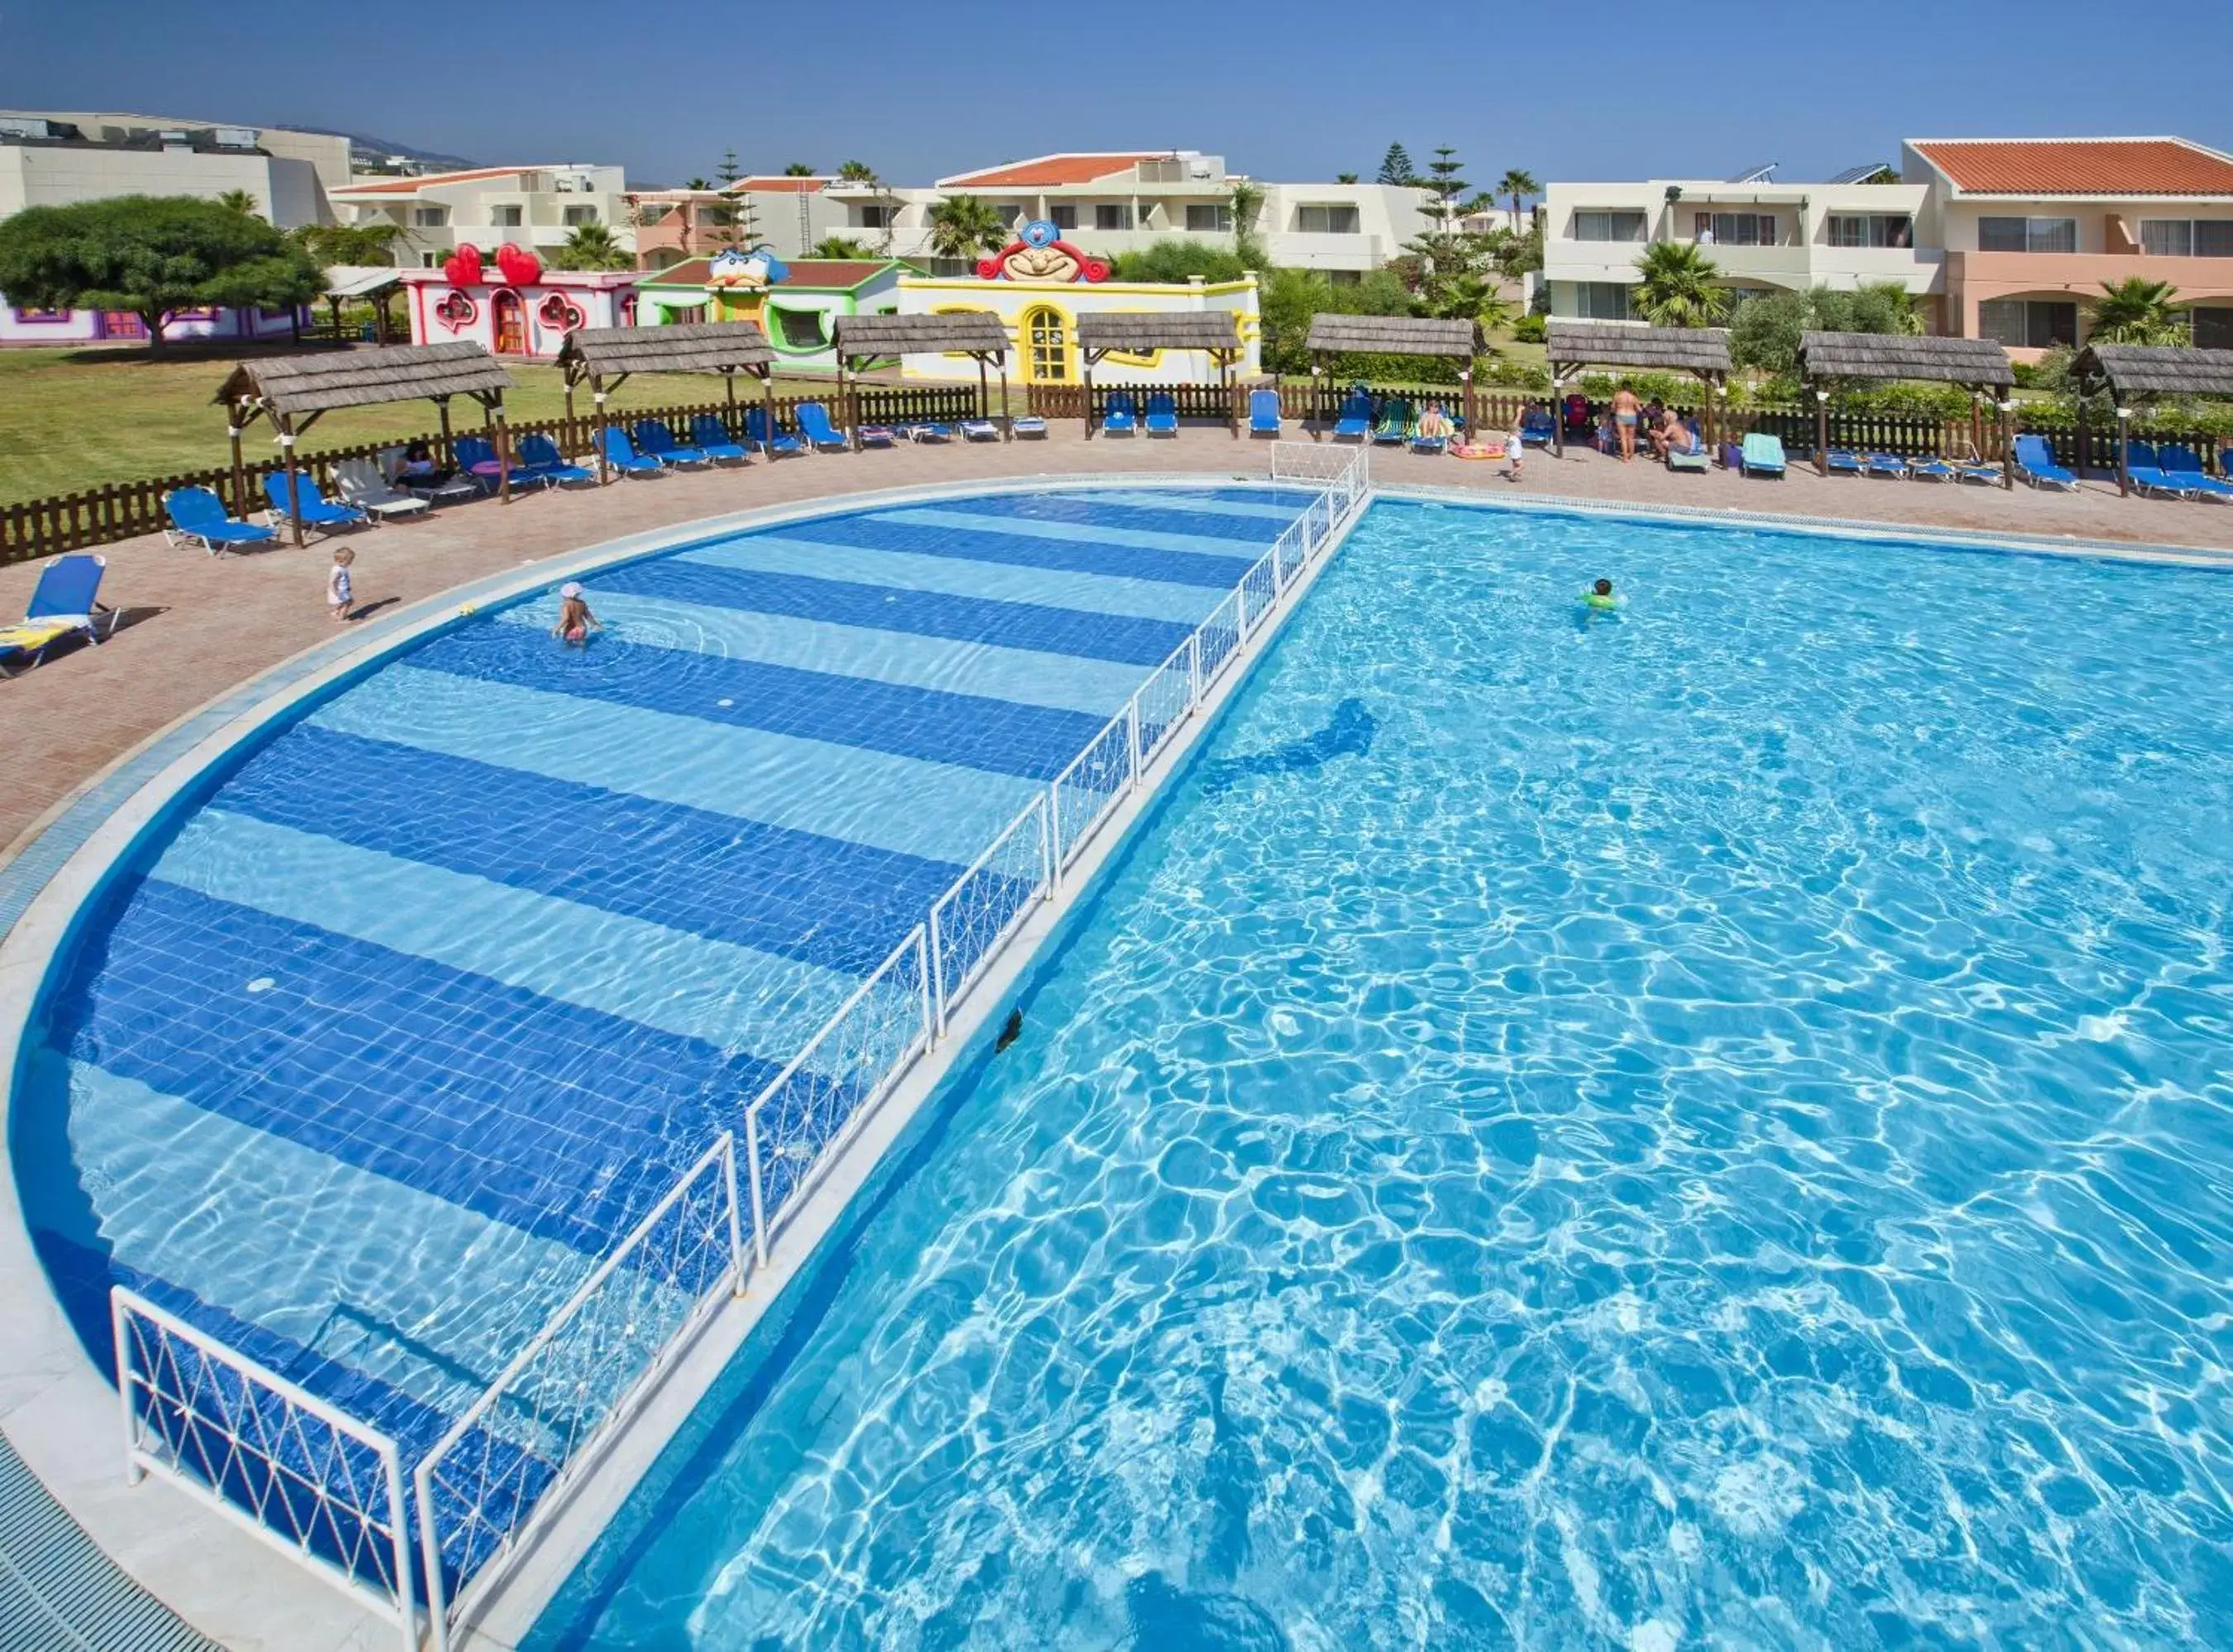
<point>240,201</point>
<point>840,246</point>
<point>2134,311</point>
<point>857,172</point>
<point>1518,182</point>
<point>1679,286</point>
<point>698,183</point>
<point>1471,299</point>
<point>798,169</point>
<point>593,246</point>
<point>961,226</point>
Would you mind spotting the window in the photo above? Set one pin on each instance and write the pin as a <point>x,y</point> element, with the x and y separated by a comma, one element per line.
<point>873,218</point>
<point>504,217</point>
<point>1209,220</point>
<point>430,261</point>
<point>1609,227</point>
<point>577,216</point>
<point>1868,230</point>
<point>2178,237</point>
<point>653,212</point>
<point>798,329</point>
<point>2028,323</point>
<point>1113,215</point>
<point>1601,301</point>
<point>1344,278</point>
<point>2213,328</point>
<point>1326,220</point>
<point>1736,229</point>
<point>1064,215</point>
<point>429,218</point>
<point>2026,234</point>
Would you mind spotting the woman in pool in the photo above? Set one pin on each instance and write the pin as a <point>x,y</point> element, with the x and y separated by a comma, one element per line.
<point>575,620</point>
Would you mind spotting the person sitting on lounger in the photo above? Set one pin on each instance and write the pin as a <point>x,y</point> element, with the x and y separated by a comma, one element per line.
<point>1434,425</point>
<point>419,469</point>
<point>575,620</point>
<point>1673,436</point>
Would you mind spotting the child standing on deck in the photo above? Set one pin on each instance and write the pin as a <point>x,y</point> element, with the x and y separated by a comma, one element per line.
<point>1515,449</point>
<point>337,583</point>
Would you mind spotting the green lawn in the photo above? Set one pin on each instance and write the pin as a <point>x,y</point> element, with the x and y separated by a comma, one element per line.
<point>72,419</point>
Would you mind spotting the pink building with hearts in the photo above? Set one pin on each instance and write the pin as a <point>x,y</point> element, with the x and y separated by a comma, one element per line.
<point>513,306</point>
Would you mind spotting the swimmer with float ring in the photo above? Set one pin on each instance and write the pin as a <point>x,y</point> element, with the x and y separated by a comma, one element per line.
<point>1599,598</point>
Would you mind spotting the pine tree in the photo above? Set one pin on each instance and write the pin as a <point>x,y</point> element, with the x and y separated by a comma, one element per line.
<point>1396,166</point>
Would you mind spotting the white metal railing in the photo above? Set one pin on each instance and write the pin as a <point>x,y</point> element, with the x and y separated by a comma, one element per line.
<point>486,1483</point>
<point>238,1438</point>
<point>299,1474</point>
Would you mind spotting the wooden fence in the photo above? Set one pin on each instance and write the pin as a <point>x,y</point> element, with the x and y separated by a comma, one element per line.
<point>116,510</point>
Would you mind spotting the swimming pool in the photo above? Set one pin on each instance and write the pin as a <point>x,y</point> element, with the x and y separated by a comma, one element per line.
<point>389,1031</point>
<point>1710,1125</point>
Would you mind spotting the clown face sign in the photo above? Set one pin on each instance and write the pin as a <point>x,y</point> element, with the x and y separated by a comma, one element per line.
<point>753,271</point>
<point>1041,255</point>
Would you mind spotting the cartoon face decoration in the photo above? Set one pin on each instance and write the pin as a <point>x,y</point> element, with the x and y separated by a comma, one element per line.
<point>757,268</point>
<point>456,311</point>
<point>1040,254</point>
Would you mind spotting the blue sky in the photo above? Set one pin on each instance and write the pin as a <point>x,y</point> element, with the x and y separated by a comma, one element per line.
<point>1298,91</point>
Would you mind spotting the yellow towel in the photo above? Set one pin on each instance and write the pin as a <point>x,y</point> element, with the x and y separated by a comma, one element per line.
<point>34,635</point>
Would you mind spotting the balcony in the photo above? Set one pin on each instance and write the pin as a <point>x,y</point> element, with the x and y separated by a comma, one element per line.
<point>2081,275</point>
<point>1303,250</point>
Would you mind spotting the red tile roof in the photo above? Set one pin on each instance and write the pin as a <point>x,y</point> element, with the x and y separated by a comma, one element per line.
<point>844,274</point>
<point>779,186</point>
<point>411,186</point>
<point>1049,170</point>
<point>2080,167</point>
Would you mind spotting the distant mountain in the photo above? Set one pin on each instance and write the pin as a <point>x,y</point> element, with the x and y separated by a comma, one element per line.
<point>360,143</point>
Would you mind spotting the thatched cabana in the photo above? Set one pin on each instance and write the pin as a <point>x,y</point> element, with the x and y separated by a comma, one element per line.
<point>979,333</point>
<point>296,391</point>
<point>1978,365</point>
<point>1422,335</point>
<point>1210,331</point>
<point>2129,370</point>
<point>607,356</point>
<point>1703,352</point>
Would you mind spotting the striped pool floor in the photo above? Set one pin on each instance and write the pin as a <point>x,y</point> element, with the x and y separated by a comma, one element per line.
<point>378,1050</point>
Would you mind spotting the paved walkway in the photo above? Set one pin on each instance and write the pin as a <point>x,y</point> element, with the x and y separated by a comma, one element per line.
<point>201,625</point>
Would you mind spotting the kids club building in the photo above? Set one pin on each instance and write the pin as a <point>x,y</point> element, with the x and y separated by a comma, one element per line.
<point>517,308</point>
<point>796,304</point>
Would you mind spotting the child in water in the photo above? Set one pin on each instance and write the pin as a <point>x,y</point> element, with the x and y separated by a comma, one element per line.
<point>1600,597</point>
<point>575,620</point>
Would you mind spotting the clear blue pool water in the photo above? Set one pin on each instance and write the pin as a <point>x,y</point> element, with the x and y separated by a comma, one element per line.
<point>1711,1127</point>
<point>390,1034</point>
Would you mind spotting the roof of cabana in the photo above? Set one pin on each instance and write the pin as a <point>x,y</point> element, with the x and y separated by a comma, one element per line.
<point>860,337</point>
<point>1901,355</point>
<point>691,347</point>
<point>1649,349</point>
<point>307,384</point>
<point>1394,335</point>
<point>2157,369</point>
<point>1191,330</point>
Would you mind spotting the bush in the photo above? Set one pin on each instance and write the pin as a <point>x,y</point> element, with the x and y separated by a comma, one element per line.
<point>1177,262</point>
<point>1531,329</point>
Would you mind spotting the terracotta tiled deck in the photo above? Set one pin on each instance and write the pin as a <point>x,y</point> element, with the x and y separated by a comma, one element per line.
<point>201,625</point>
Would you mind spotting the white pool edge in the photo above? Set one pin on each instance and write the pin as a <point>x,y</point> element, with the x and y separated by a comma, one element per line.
<point>58,1409</point>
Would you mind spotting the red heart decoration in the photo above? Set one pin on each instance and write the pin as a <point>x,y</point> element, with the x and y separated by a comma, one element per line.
<point>463,267</point>
<point>561,314</point>
<point>519,266</point>
<point>456,311</point>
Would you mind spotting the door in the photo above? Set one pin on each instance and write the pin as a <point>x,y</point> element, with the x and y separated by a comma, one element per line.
<point>1046,346</point>
<point>511,322</point>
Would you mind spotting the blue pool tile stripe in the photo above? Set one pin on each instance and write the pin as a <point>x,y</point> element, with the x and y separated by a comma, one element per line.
<point>738,998</point>
<point>1063,682</point>
<point>1116,520</point>
<point>987,524</point>
<point>1278,515</point>
<point>931,810</point>
<point>838,905</point>
<point>558,1121</point>
<point>1144,598</point>
<point>964,729</point>
<point>1012,625</point>
<point>940,537</point>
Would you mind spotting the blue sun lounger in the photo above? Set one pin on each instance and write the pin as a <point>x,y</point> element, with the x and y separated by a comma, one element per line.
<point>1885,465</point>
<point>980,430</point>
<point>2147,473</point>
<point>61,607</point>
<point>1263,413</point>
<point>1355,417</point>
<point>653,436</point>
<point>621,454</point>
<point>541,461</point>
<point>1761,455</point>
<point>1120,417</point>
<point>310,508</point>
<point>2185,465</point>
<point>1536,428</point>
<point>1162,418</point>
<point>759,437</point>
<point>876,435</point>
<point>198,517</point>
<point>930,432</point>
<point>1028,424</point>
<point>823,436</point>
<point>711,437</point>
<point>1844,463</point>
<point>1393,427</point>
<point>2035,463</point>
<point>1931,470</point>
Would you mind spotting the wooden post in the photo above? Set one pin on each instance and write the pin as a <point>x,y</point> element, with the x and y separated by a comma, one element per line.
<point>572,437</point>
<point>1087,404</point>
<point>503,450</point>
<point>1317,420</point>
<point>2123,452</point>
<point>767,407</point>
<point>1007,419</point>
<point>1822,431</point>
<point>286,423</point>
<point>2007,448</point>
<point>239,468</point>
<point>597,406</point>
<point>449,450</point>
<point>1976,422</point>
<point>1465,378</point>
<point>1557,416</point>
<point>983,391</point>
